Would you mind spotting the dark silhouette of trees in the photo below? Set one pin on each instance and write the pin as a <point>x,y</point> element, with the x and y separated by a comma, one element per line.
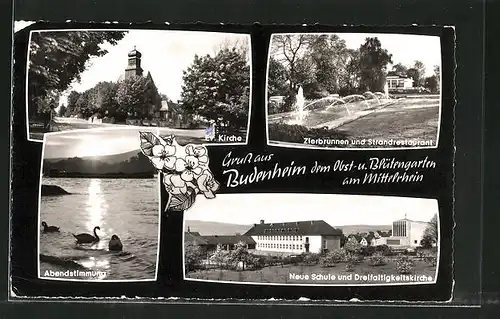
<point>56,59</point>
<point>373,64</point>
<point>430,236</point>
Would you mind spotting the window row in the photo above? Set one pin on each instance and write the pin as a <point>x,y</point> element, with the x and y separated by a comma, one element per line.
<point>287,238</point>
<point>279,246</point>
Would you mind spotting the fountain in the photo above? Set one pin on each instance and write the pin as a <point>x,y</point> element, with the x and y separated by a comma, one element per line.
<point>299,104</point>
<point>299,112</point>
<point>330,109</point>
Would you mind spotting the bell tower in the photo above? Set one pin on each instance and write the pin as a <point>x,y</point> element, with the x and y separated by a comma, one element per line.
<point>134,64</point>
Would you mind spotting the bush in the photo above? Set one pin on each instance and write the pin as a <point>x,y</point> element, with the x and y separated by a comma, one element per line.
<point>368,250</point>
<point>296,133</point>
<point>427,256</point>
<point>405,265</point>
<point>294,260</point>
<point>352,258</point>
<point>310,258</point>
<point>332,258</point>
<point>256,262</point>
<point>385,250</point>
<point>352,246</point>
<point>349,267</point>
<point>377,259</point>
<point>193,256</point>
<point>431,260</point>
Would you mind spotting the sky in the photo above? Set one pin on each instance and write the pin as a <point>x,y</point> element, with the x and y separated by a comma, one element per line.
<point>95,142</point>
<point>164,53</point>
<point>336,210</point>
<point>405,48</point>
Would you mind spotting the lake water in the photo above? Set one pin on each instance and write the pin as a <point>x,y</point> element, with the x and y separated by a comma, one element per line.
<point>125,207</point>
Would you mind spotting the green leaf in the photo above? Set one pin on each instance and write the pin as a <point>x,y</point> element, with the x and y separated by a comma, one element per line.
<point>148,141</point>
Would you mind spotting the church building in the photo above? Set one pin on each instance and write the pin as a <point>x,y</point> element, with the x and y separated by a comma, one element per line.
<point>406,233</point>
<point>134,69</point>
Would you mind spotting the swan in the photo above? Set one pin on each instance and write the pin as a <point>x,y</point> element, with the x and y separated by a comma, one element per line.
<point>49,229</point>
<point>87,238</point>
<point>115,243</point>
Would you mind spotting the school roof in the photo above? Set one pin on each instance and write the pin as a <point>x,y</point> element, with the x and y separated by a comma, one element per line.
<point>228,239</point>
<point>310,227</point>
<point>196,239</point>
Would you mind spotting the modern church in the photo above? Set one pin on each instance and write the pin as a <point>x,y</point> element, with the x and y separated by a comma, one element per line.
<point>406,233</point>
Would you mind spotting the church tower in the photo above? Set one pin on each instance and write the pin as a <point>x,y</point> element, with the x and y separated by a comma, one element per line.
<point>134,64</point>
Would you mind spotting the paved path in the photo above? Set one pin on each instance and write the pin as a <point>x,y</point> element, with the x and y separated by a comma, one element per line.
<point>69,124</point>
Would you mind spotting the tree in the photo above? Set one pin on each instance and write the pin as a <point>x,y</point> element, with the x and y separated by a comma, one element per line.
<point>45,106</point>
<point>220,256</point>
<point>352,245</point>
<point>193,255</point>
<point>373,64</point>
<point>136,97</point>
<point>217,88</point>
<point>400,70</point>
<point>68,112</point>
<point>414,75</point>
<point>56,59</point>
<point>106,98</point>
<point>437,74</point>
<point>431,232</point>
<point>72,98</point>
<point>330,57</point>
<point>290,49</point>
<point>417,73</point>
<point>352,77</point>
<point>277,79</point>
<point>62,110</point>
<point>240,255</point>
<point>431,83</point>
<point>343,240</point>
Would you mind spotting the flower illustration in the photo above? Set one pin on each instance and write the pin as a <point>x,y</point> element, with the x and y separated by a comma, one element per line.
<point>174,184</point>
<point>185,169</point>
<point>199,152</point>
<point>188,168</point>
<point>207,184</point>
<point>163,156</point>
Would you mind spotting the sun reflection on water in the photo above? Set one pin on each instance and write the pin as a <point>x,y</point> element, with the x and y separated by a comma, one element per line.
<point>96,208</point>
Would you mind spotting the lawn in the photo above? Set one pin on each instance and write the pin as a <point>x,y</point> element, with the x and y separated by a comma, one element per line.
<point>412,121</point>
<point>282,274</point>
<point>416,119</point>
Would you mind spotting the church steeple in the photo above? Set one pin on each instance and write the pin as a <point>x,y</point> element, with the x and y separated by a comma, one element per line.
<point>134,64</point>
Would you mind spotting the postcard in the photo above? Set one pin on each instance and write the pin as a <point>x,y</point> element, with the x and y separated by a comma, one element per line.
<point>254,163</point>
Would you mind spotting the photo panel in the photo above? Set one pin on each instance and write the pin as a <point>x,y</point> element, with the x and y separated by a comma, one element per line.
<point>312,240</point>
<point>99,208</point>
<point>192,84</point>
<point>354,90</point>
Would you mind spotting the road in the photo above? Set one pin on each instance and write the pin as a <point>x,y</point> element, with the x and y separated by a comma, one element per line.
<point>66,124</point>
